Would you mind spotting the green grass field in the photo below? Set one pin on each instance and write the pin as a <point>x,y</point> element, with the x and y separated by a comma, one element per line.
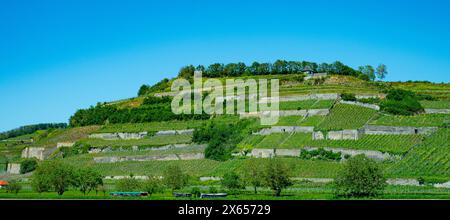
<point>307,104</point>
<point>148,141</point>
<point>436,104</point>
<point>344,116</point>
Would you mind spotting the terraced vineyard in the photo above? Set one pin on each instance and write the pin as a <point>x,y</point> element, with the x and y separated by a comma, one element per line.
<point>300,120</point>
<point>344,116</point>
<point>395,144</point>
<point>436,104</point>
<point>424,120</point>
<point>307,104</point>
<point>430,159</point>
<point>145,142</point>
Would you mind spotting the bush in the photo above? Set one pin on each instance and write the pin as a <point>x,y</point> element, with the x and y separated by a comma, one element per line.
<point>360,177</point>
<point>129,184</point>
<point>370,100</point>
<point>28,165</point>
<point>348,97</point>
<point>13,187</point>
<point>320,154</point>
<point>152,100</point>
<point>196,192</point>
<point>401,102</point>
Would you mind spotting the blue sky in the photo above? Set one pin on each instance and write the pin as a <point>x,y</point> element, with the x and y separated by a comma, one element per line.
<point>59,56</point>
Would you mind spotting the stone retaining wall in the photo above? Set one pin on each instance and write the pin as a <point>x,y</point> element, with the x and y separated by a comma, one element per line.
<point>397,130</point>
<point>64,144</point>
<point>13,168</point>
<point>366,105</point>
<point>376,155</point>
<point>370,96</point>
<point>36,152</point>
<point>437,111</point>
<point>338,135</point>
<point>285,129</point>
<point>175,132</point>
<point>324,96</point>
<point>119,136</point>
<point>167,157</point>
<point>283,113</point>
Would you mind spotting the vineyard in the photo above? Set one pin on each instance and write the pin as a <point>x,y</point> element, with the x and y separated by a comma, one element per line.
<point>300,120</point>
<point>344,116</point>
<point>307,104</point>
<point>436,104</point>
<point>431,158</point>
<point>395,144</point>
<point>423,120</point>
<point>145,142</point>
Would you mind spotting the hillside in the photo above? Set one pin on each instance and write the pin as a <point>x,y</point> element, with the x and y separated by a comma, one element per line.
<point>140,136</point>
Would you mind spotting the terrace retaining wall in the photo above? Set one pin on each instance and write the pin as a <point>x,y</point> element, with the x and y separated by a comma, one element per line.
<point>13,168</point>
<point>285,129</point>
<point>366,105</point>
<point>36,152</point>
<point>283,113</point>
<point>437,111</point>
<point>397,130</point>
<point>376,155</point>
<point>167,157</point>
<point>175,132</point>
<point>64,144</point>
<point>119,136</point>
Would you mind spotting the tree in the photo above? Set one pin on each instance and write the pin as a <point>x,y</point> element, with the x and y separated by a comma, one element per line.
<point>153,185</point>
<point>253,174</point>
<point>28,165</point>
<point>143,90</point>
<point>186,72</point>
<point>232,181</point>
<point>276,175</point>
<point>54,175</point>
<point>128,184</point>
<point>87,179</point>
<point>368,70</point>
<point>13,187</point>
<point>175,178</point>
<point>360,177</point>
<point>382,71</point>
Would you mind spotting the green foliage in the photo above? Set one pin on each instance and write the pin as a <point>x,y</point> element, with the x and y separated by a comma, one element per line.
<point>153,185</point>
<point>196,192</point>
<point>13,187</point>
<point>29,129</point>
<point>153,100</point>
<point>103,114</point>
<point>28,165</point>
<point>348,97</point>
<point>129,184</point>
<point>175,178</point>
<point>87,179</point>
<point>158,87</point>
<point>360,177</point>
<point>254,174</point>
<point>232,181</point>
<point>381,71</point>
<point>277,175</point>
<point>54,175</point>
<point>431,158</point>
<point>370,100</point>
<point>222,138</point>
<point>344,116</point>
<point>401,102</point>
<point>320,154</point>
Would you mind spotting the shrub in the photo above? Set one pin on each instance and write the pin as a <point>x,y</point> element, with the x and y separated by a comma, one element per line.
<point>196,192</point>
<point>152,100</point>
<point>129,184</point>
<point>348,97</point>
<point>212,189</point>
<point>13,187</point>
<point>28,165</point>
<point>320,154</point>
<point>360,177</point>
<point>401,102</point>
<point>370,100</point>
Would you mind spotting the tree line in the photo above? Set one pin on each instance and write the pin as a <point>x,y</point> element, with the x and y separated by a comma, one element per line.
<point>366,72</point>
<point>29,129</point>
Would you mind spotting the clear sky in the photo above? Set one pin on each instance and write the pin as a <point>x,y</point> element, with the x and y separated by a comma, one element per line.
<point>59,56</point>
